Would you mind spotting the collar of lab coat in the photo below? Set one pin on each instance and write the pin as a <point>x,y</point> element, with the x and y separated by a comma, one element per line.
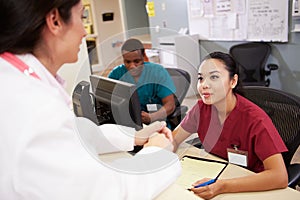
<point>46,77</point>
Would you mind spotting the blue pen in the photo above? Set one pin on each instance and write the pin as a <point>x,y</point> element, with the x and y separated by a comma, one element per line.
<point>205,183</point>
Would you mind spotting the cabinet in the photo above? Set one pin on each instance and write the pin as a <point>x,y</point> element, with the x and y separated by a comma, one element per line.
<point>91,29</point>
<point>106,33</point>
<point>295,16</point>
<point>181,51</point>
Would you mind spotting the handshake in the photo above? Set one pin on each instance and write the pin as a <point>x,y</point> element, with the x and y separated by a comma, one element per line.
<point>155,134</point>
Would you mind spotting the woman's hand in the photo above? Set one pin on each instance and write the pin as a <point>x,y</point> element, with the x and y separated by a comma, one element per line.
<point>160,140</point>
<point>142,136</point>
<point>208,191</point>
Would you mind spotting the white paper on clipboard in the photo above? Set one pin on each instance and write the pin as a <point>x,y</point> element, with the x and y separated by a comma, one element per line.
<point>194,169</point>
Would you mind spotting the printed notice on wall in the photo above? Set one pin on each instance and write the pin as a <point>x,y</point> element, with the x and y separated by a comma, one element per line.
<point>239,20</point>
<point>268,20</point>
<point>150,9</point>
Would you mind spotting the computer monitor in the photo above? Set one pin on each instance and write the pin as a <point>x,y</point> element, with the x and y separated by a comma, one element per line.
<point>116,102</point>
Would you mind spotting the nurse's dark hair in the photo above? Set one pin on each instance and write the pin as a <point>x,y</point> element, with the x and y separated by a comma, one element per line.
<point>230,66</point>
<point>22,22</point>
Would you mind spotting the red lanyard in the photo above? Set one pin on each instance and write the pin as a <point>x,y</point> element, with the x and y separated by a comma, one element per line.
<point>19,64</point>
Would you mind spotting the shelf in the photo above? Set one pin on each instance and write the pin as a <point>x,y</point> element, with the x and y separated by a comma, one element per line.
<point>295,30</point>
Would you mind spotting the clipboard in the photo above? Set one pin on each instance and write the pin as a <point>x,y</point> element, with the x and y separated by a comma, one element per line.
<point>195,168</point>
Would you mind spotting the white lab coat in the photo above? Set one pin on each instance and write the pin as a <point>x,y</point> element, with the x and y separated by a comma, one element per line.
<point>42,157</point>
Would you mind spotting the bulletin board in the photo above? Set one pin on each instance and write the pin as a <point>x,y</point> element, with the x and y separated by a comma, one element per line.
<point>239,20</point>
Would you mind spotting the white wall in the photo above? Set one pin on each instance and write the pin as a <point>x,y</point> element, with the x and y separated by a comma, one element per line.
<point>73,73</point>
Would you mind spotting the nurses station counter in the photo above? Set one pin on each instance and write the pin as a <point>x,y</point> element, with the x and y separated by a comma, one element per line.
<point>177,191</point>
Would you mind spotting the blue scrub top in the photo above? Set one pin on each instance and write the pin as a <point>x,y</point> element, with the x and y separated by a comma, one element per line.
<point>153,85</point>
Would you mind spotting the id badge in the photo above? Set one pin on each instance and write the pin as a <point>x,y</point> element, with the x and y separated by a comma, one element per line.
<point>237,157</point>
<point>151,107</point>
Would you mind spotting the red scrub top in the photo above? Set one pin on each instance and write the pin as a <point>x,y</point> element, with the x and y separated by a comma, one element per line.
<point>248,127</point>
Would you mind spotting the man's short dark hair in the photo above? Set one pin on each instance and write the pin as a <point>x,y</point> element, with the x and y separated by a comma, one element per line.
<point>133,45</point>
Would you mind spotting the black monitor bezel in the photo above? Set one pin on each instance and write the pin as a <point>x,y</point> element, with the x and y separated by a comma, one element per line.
<point>107,91</point>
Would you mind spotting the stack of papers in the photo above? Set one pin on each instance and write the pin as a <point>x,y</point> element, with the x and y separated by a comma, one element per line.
<point>194,169</point>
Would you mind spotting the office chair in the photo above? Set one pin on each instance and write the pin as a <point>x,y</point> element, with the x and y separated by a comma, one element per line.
<point>251,58</point>
<point>182,81</point>
<point>284,110</point>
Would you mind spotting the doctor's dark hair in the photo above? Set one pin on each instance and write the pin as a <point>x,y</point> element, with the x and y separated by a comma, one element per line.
<point>22,22</point>
<point>230,66</point>
<point>133,45</point>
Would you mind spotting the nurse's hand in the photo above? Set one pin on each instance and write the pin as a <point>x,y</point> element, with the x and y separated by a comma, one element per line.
<point>142,136</point>
<point>208,191</point>
<point>146,119</point>
<point>160,140</point>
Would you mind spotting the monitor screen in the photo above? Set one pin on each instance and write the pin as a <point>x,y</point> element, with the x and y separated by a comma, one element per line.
<point>116,102</point>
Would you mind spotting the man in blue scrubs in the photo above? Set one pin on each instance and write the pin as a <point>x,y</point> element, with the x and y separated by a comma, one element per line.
<point>154,85</point>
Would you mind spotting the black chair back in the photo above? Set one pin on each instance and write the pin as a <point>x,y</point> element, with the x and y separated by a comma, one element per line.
<point>251,58</point>
<point>284,110</point>
<point>182,81</point>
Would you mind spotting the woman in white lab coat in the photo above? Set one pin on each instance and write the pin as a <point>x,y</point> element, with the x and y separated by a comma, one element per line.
<point>41,154</point>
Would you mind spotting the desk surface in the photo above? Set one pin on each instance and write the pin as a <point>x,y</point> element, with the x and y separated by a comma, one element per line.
<point>175,191</point>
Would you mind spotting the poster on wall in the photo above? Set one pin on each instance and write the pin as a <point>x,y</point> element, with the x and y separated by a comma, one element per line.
<point>239,20</point>
<point>150,9</point>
